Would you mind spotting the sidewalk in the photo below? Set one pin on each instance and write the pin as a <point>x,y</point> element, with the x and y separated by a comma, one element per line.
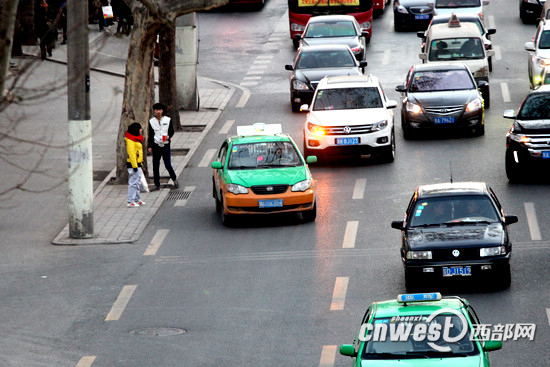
<point>114,222</point>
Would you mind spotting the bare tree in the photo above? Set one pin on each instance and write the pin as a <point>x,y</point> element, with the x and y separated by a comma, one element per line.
<point>8,12</point>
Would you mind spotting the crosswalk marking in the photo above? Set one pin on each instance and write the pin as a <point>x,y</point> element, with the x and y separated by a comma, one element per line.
<point>86,361</point>
<point>121,302</point>
<point>505,92</point>
<point>226,127</point>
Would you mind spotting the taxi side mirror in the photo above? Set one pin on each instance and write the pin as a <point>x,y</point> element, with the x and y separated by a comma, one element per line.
<point>216,165</point>
<point>289,67</point>
<point>347,350</point>
<point>397,224</point>
<point>491,345</point>
<point>311,159</point>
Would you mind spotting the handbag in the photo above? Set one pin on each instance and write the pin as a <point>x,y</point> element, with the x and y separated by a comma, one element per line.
<point>144,186</point>
<point>107,12</point>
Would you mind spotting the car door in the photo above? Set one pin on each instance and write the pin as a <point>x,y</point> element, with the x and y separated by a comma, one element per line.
<point>218,173</point>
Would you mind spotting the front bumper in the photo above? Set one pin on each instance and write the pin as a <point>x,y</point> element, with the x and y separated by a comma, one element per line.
<point>250,203</point>
<point>479,267</point>
<point>367,143</point>
<point>426,121</point>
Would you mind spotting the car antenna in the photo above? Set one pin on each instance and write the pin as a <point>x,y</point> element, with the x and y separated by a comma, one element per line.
<point>451,171</point>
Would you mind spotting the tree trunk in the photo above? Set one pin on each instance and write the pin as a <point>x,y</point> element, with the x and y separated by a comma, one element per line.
<point>168,91</point>
<point>8,11</point>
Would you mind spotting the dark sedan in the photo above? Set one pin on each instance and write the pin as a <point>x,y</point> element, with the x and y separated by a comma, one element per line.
<point>411,14</point>
<point>313,63</point>
<point>455,230</point>
<point>441,96</point>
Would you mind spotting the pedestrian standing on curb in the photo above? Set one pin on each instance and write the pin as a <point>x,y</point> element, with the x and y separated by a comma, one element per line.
<point>160,133</point>
<point>134,148</point>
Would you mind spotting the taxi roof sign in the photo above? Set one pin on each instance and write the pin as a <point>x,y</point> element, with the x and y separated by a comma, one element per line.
<point>418,297</point>
<point>259,128</point>
<point>454,22</point>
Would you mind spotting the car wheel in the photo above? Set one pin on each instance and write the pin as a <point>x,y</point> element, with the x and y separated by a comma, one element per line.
<point>490,61</point>
<point>387,154</point>
<point>479,130</point>
<point>408,133</point>
<point>486,97</point>
<point>513,169</point>
<point>225,218</point>
<point>295,106</point>
<point>397,26</point>
<point>310,215</point>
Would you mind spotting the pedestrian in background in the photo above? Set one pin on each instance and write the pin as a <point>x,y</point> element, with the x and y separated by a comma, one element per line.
<point>45,27</point>
<point>160,133</point>
<point>134,148</point>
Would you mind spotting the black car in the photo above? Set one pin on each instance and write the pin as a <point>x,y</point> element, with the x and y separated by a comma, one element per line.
<point>528,140</point>
<point>313,63</point>
<point>530,10</point>
<point>413,14</point>
<point>455,230</point>
<point>441,96</point>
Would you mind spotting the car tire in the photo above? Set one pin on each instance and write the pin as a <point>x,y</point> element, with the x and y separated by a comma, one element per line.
<point>408,133</point>
<point>479,130</point>
<point>485,93</point>
<point>387,154</point>
<point>490,62</point>
<point>397,27</point>
<point>513,169</point>
<point>295,106</point>
<point>224,217</point>
<point>310,215</point>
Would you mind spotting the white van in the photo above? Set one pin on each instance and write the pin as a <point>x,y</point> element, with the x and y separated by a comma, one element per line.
<point>459,7</point>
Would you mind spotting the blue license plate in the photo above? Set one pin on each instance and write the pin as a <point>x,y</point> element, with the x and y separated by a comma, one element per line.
<point>347,141</point>
<point>546,155</point>
<point>461,271</point>
<point>444,120</point>
<point>270,203</point>
<point>421,16</point>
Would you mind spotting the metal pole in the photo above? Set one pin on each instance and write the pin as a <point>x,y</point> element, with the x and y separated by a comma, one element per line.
<point>81,223</point>
<point>187,59</point>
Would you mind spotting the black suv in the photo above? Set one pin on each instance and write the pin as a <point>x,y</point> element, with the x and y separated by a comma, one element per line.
<point>455,230</point>
<point>528,140</point>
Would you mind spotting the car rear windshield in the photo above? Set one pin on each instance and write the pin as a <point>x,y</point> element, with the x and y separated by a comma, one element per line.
<point>264,155</point>
<point>457,3</point>
<point>347,98</point>
<point>456,49</point>
<point>535,107</point>
<point>441,80</point>
<point>330,29</point>
<point>326,59</point>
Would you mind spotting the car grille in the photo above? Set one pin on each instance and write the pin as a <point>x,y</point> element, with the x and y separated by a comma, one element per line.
<point>415,10</point>
<point>538,143</point>
<point>343,130</point>
<point>470,253</point>
<point>444,110</point>
<point>269,189</point>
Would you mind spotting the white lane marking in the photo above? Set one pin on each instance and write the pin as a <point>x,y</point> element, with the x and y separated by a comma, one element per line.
<point>264,57</point>
<point>328,356</point>
<point>532,222</point>
<point>244,98</point>
<point>350,234</point>
<point>208,157</point>
<point>226,127</point>
<point>121,302</point>
<point>261,62</point>
<point>359,189</point>
<point>157,240</point>
<point>255,72</point>
<point>183,202</point>
<point>386,57</point>
<point>498,54</point>
<point>548,314</point>
<point>505,92</point>
<point>252,78</point>
<point>491,21</point>
<point>248,84</point>
<point>339,294</point>
<point>86,361</point>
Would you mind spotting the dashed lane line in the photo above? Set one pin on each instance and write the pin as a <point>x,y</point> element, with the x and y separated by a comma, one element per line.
<point>226,127</point>
<point>359,189</point>
<point>350,234</point>
<point>505,92</point>
<point>121,302</point>
<point>339,294</point>
<point>157,240</point>
<point>532,221</point>
<point>328,356</point>
<point>86,361</point>
<point>207,158</point>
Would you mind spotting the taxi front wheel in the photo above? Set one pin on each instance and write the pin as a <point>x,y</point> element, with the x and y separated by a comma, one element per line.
<point>310,215</point>
<point>224,217</point>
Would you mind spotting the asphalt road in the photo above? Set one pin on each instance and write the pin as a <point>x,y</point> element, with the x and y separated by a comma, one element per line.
<point>272,291</point>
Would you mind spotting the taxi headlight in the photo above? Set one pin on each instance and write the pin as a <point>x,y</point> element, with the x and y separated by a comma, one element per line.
<point>301,186</point>
<point>474,105</point>
<point>380,125</point>
<point>419,255</point>
<point>492,251</point>
<point>237,189</point>
<point>413,108</point>
<point>299,85</point>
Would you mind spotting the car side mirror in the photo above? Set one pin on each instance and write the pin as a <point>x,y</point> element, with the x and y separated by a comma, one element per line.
<point>482,83</point>
<point>304,108</point>
<point>485,2</point>
<point>297,37</point>
<point>529,46</point>
<point>401,88</point>
<point>509,114</point>
<point>491,31</point>
<point>397,224</point>
<point>431,5</point>
<point>365,34</point>
<point>347,350</point>
<point>216,165</point>
<point>391,104</point>
<point>490,53</point>
<point>363,65</point>
<point>311,159</point>
<point>289,67</point>
<point>491,345</point>
<point>420,34</point>
<point>423,56</point>
<point>510,219</point>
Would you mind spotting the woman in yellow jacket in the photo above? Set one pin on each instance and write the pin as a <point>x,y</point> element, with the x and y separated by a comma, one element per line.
<point>134,148</point>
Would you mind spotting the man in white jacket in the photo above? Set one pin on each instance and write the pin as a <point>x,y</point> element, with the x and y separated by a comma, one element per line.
<point>160,133</point>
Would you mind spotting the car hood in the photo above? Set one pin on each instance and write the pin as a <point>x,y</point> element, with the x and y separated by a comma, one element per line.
<point>464,236</point>
<point>415,3</point>
<point>543,53</point>
<point>315,75</point>
<point>446,98</point>
<point>359,116</point>
<point>350,41</point>
<point>268,176</point>
<point>534,124</point>
<point>424,362</point>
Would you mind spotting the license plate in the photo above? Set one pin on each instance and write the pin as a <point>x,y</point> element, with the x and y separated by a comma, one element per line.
<point>461,271</point>
<point>422,16</point>
<point>347,141</point>
<point>546,155</point>
<point>444,120</point>
<point>271,203</point>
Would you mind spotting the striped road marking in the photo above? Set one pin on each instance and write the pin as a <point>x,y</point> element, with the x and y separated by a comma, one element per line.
<point>548,314</point>
<point>505,92</point>
<point>351,234</point>
<point>157,240</point>
<point>226,127</point>
<point>86,361</point>
<point>533,222</point>
<point>244,98</point>
<point>359,189</point>
<point>386,57</point>
<point>339,294</point>
<point>208,157</point>
<point>328,356</point>
<point>121,302</point>
<point>498,55</point>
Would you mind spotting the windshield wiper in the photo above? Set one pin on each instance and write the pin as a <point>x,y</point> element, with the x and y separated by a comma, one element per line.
<point>434,353</point>
<point>428,225</point>
<point>385,355</point>
<point>467,222</point>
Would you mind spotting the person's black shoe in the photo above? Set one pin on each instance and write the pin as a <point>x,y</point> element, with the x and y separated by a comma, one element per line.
<point>176,184</point>
<point>154,188</point>
<point>43,56</point>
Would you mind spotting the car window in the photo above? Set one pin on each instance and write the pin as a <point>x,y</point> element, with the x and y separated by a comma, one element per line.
<point>347,98</point>
<point>330,29</point>
<point>264,155</point>
<point>326,59</point>
<point>457,3</point>
<point>464,208</point>
<point>535,107</point>
<point>456,48</point>
<point>441,80</point>
<point>544,41</point>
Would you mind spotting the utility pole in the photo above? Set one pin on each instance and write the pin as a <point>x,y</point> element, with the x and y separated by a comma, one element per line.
<point>187,59</point>
<point>81,219</point>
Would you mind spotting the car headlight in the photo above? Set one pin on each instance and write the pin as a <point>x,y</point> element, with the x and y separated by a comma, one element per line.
<point>380,125</point>
<point>474,105</point>
<point>401,9</point>
<point>315,129</point>
<point>419,255</point>
<point>299,85</point>
<point>295,27</point>
<point>301,186</point>
<point>237,189</point>
<point>413,108</point>
<point>518,138</point>
<point>492,251</point>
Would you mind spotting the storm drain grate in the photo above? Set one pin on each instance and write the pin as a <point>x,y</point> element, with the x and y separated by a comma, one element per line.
<point>179,195</point>
<point>158,331</point>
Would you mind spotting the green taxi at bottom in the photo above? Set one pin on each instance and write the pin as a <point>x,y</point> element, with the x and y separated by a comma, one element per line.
<point>420,329</point>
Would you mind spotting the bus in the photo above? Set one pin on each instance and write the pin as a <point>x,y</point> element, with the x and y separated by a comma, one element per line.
<point>299,12</point>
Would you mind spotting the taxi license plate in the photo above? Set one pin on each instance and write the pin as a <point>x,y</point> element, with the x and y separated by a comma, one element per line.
<point>444,120</point>
<point>347,141</point>
<point>546,155</point>
<point>462,271</point>
<point>270,203</point>
<point>422,16</point>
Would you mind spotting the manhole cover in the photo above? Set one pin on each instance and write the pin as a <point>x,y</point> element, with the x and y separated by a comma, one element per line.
<point>178,195</point>
<point>158,331</point>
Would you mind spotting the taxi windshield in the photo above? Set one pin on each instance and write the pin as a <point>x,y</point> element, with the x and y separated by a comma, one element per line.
<point>456,49</point>
<point>408,337</point>
<point>264,155</point>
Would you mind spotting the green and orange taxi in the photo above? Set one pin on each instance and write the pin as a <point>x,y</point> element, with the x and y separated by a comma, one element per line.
<point>262,171</point>
<point>421,329</point>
